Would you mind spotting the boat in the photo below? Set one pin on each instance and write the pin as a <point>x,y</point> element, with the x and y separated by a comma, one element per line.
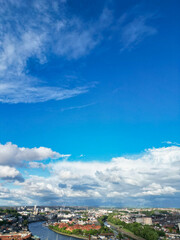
<point>35,237</point>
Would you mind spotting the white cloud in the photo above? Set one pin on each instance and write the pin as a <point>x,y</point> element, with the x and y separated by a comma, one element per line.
<point>10,93</point>
<point>135,30</point>
<point>11,154</point>
<point>33,31</point>
<point>171,143</point>
<point>156,172</point>
<point>157,189</point>
<point>37,165</point>
<point>77,107</point>
<point>10,173</point>
<point>126,174</point>
<point>76,38</point>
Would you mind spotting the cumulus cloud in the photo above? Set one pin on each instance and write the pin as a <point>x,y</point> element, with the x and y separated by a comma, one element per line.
<point>10,173</point>
<point>37,165</point>
<point>157,189</point>
<point>156,172</point>
<point>122,180</point>
<point>11,154</point>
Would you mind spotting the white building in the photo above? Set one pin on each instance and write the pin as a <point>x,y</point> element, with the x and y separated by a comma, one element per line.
<point>179,226</point>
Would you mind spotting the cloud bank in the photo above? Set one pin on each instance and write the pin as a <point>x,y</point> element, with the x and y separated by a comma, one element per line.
<point>128,180</point>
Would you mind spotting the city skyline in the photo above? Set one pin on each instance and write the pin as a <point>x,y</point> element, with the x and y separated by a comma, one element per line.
<point>89,102</point>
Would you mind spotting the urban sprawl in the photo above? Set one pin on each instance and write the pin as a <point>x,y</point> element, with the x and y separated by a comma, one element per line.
<point>92,223</point>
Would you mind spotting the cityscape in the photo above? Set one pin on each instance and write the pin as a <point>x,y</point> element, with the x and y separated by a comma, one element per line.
<point>89,120</point>
<point>90,223</point>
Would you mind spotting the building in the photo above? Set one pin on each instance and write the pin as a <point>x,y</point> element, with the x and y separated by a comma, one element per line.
<point>139,220</point>
<point>47,209</point>
<point>17,236</point>
<point>147,220</point>
<point>36,210</point>
<point>179,226</point>
<point>144,220</point>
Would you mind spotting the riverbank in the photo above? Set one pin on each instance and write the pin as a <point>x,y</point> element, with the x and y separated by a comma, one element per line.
<point>69,235</point>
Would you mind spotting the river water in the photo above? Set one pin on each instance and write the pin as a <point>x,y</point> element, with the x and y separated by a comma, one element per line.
<point>45,233</point>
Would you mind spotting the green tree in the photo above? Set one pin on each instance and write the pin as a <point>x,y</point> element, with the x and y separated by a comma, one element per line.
<point>120,236</point>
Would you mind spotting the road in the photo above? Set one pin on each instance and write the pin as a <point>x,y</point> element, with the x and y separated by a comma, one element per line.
<point>116,230</point>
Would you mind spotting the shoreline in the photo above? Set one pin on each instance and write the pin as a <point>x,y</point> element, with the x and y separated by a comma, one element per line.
<point>69,235</point>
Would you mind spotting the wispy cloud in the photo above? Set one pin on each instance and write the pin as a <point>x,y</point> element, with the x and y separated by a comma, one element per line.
<point>171,143</point>
<point>22,93</point>
<point>34,30</point>
<point>77,107</point>
<point>134,28</point>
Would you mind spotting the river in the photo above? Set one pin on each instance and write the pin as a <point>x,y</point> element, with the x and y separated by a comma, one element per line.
<point>45,233</point>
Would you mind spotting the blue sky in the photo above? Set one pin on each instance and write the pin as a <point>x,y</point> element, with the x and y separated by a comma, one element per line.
<point>90,89</point>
